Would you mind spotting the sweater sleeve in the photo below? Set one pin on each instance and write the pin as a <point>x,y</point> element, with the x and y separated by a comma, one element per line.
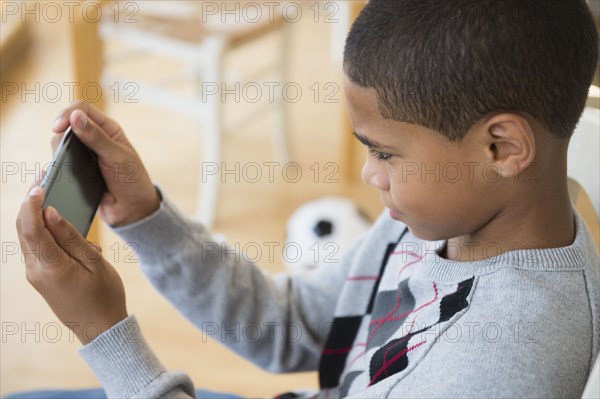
<point>127,367</point>
<point>278,322</point>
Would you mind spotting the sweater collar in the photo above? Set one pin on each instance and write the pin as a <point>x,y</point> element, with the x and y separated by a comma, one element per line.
<point>571,257</point>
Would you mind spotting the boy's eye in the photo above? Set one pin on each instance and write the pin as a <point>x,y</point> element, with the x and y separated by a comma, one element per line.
<point>381,156</point>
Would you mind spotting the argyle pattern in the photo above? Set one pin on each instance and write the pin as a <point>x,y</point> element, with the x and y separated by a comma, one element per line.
<point>401,319</point>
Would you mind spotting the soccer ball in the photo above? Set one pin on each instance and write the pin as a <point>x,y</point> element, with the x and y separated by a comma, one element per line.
<point>320,231</point>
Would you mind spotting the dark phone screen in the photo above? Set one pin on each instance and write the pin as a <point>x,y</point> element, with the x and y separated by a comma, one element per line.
<point>74,184</point>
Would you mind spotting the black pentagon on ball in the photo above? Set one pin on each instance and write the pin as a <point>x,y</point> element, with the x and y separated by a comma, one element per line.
<point>323,228</point>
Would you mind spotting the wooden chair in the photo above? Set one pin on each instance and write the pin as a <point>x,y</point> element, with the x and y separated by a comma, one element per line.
<point>584,206</point>
<point>181,31</point>
<point>583,159</point>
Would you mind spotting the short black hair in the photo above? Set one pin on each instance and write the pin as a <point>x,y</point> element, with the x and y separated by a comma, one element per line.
<point>445,64</point>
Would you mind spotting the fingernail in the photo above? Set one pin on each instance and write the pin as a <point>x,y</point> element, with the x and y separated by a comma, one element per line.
<point>57,121</point>
<point>54,215</point>
<point>37,190</point>
<point>81,122</point>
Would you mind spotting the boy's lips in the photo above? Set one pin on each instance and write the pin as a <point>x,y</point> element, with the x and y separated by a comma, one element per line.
<point>394,214</point>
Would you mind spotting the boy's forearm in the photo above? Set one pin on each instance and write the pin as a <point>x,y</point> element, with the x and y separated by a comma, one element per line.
<point>159,235</point>
<point>219,291</point>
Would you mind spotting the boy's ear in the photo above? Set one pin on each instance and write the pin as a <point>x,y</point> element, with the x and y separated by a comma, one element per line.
<point>509,143</point>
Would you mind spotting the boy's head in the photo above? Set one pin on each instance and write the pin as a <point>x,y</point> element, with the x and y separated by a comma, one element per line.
<point>445,64</point>
<point>469,93</point>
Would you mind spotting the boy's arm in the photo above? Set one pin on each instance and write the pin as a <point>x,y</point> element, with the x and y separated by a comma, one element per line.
<point>84,290</point>
<point>127,367</point>
<point>279,322</point>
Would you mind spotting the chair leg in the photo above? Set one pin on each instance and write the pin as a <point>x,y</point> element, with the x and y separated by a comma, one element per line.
<point>212,128</point>
<point>210,172</point>
<point>280,127</point>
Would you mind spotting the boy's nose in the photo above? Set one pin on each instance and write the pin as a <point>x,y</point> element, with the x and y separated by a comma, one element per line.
<point>374,175</point>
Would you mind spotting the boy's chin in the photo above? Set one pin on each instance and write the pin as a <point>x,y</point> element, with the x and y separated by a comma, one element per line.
<point>395,215</point>
<point>427,235</point>
<point>417,231</point>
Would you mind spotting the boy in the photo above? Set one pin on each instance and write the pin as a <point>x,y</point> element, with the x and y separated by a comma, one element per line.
<point>479,280</point>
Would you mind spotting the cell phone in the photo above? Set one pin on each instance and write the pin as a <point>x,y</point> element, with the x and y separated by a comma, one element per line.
<point>73,183</point>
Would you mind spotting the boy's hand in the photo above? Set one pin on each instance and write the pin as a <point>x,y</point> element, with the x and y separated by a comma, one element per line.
<point>83,290</point>
<point>131,195</point>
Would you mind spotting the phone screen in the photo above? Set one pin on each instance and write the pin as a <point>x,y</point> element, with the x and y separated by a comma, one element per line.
<point>73,183</point>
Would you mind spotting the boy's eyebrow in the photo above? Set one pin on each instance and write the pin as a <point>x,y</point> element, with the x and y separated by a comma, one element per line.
<point>368,142</point>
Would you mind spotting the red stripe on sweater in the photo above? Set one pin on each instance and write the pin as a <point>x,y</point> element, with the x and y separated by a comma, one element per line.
<point>398,356</point>
<point>435,298</point>
<point>338,351</point>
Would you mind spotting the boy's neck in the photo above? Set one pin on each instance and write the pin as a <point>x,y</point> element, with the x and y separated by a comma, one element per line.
<point>543,219</point>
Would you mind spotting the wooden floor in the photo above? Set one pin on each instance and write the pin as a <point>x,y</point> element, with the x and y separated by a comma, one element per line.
<point>36,351</point>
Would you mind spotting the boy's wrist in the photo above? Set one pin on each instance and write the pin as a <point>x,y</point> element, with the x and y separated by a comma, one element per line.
<point>144,210</point>
<point>87,332</point>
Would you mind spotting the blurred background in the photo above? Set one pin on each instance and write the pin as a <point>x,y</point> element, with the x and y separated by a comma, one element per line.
<point>130,59</point>
<point>236,109</point>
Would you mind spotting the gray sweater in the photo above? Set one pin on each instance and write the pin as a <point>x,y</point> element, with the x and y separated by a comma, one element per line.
<point>390,319</point>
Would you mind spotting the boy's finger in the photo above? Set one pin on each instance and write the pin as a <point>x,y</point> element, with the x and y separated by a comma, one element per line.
<point>30,224</point>
<point>70,240</point>
<point>96,245</point>
<point>62,121</point>
<point>92,135</point>
<point>55,141</point>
